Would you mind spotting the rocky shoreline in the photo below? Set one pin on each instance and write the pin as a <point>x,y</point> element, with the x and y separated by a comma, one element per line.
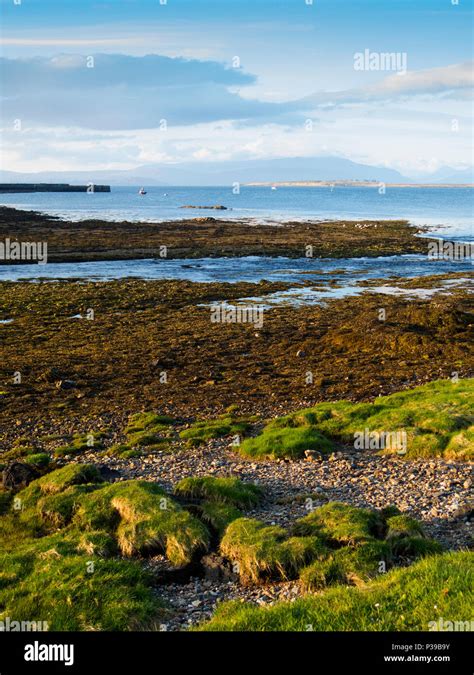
<point>151,346</point>
<point>206,236</point>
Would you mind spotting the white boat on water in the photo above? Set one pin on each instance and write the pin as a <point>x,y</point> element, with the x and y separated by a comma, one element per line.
<point>142,191</point>
<point>273,187</point>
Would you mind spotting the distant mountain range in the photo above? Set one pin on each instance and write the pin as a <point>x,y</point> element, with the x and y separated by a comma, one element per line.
<point>246,171</point>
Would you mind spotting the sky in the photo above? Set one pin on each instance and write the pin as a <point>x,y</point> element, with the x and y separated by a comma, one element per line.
<point>95,84</point>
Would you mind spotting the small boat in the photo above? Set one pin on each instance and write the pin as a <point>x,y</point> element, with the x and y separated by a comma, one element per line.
<point>273,187</point>
<point>142,191</point>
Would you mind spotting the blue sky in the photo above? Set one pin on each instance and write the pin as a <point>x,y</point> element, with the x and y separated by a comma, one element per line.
<point>295,90</point>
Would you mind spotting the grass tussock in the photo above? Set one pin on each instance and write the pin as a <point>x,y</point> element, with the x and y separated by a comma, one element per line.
<point>291,442</point>
<point>225,490</point>
<point>225,425</point>
<point>81,443</point>
<point>259,551</point>
<point>335,544</point>
<point>341,524</point>
<point>140,515</point>
<point>67,542</point>
<point>146,430</point>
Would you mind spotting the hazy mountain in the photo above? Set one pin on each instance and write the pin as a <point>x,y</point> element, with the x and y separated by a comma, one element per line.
<point>449,175</point>
<point>246,171</point>
<point>221,173</point>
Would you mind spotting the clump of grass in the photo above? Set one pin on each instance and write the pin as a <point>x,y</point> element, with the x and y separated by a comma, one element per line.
<point>123,450</point>
<point>260,551</point>
<point>19,451</point>
<point>341,524</point>
<point>400,526</point>
<point>81,443</point>
<point>362,543</point>
<point>147,420</point>
<point>148,430</point>
<point>145,519</point>
<point>140,515</point>
<point>276,443</point>
<point>407,538</point>
<point>406,599</point>
<point>40,459</point>
<point>58,481</point>
<point>225,490</point>
<point>415,547</point>
<point>437,419</point>
<point>348,565</point>
<point>225,425</point>
<point>57,510</point>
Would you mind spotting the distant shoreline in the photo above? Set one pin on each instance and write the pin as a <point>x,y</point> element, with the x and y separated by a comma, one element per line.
<point>356,183</point>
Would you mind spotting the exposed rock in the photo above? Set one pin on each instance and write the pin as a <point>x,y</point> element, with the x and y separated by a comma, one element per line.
<point>313,456</point>
<point>215,207</point>
<point>216,568</point>
<point>18,475</point>
<point>65,384</point>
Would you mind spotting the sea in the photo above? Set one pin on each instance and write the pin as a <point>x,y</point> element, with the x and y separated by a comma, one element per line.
<point>449,210</point>
<point>446,212</point>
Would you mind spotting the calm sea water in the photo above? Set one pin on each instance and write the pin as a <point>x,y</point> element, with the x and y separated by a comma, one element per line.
<point>450,210</point>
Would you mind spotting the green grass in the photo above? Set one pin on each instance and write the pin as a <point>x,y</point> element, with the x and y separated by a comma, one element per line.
<point>226,490</point>
<point>64,580</point>
<point>225,425</point>
<point>275,443</point>
<point>147,420</point>
<point>28,454</point>
<point>437,418</point>
<point>148,430</point>
<point>66,554</point>
<point>403,526</point>
<point>347,565</point>
<point>81,443</point>
<point>58,481</point>
<point>341,524</point>
<point>123,450</point>
<point>38,459</point>
<point>334,544</point>
<point>145,519</point>
<point>259,551</point>
<point>406,599</point>
<point>139,514</point>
